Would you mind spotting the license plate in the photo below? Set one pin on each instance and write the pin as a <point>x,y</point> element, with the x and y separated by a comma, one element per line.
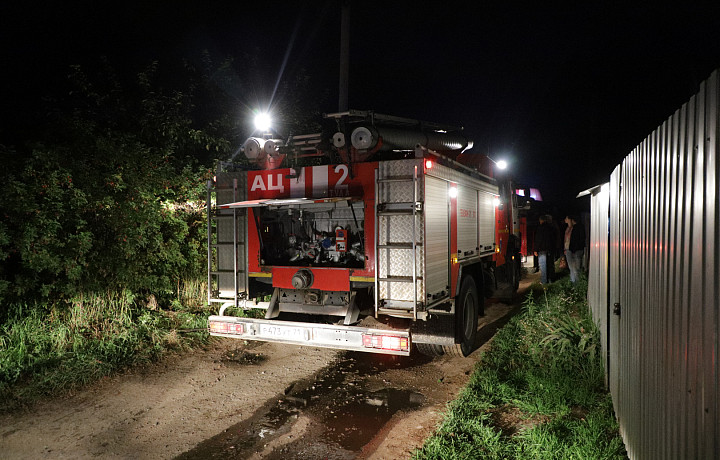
<point>282,332</point>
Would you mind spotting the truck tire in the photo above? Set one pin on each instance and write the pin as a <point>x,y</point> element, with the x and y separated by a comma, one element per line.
<point>466,315</point>
<point>430,349</point>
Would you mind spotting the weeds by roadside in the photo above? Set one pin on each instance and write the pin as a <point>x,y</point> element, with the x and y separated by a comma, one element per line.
<point>47,350</point>
<point>539,391</point>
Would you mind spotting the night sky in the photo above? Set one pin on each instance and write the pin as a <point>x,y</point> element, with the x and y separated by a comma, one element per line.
<point>563,93</point>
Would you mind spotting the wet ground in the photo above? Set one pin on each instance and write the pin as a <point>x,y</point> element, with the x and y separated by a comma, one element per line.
<point>253,400</point>
<point>346,410</point>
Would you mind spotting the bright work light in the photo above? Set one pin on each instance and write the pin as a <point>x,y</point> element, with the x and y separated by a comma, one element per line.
<point>262,121</point>
<point>499,164</point>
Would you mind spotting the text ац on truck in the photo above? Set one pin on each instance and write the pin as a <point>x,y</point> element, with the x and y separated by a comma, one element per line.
<point>375,235</point>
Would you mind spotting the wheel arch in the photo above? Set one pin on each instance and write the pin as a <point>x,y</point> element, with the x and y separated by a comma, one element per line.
<point>481,276</point>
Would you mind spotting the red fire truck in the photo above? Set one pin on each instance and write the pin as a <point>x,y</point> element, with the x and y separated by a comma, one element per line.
<point>371,236</point>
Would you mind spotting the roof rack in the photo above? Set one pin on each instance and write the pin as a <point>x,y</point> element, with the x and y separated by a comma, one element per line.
<point>390,120</point>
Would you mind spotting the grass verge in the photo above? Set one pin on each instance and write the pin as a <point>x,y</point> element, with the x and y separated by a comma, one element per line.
<point>50,349</point>
<point>538,392</point>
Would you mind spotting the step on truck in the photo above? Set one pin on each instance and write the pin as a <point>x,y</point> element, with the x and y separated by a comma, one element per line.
<point>375,235</point>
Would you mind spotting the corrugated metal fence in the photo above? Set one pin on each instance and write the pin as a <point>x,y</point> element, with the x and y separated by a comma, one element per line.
<point>654,285</point>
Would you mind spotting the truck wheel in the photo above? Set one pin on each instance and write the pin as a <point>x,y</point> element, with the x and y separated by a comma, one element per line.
<point>430,349</point>
<point>466,314</point>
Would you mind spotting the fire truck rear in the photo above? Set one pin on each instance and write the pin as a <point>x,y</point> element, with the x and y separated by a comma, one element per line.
<point>371,236</point>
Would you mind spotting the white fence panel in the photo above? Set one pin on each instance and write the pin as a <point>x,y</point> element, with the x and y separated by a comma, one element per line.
<point>654,286</point>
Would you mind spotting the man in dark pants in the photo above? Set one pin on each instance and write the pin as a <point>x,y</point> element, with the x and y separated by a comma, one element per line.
<point>545,238</point>
<point>574,246</point>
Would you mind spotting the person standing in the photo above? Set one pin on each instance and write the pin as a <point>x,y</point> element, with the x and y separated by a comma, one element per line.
<point>544,244</point>
<point>574,246</point>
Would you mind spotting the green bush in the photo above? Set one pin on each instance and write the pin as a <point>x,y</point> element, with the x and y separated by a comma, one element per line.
<point>102,218</point>
<point>110,193</point>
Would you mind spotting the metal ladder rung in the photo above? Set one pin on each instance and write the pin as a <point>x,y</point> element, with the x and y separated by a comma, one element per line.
<point>397,179</point>
<point>221,300</point>
<point>388,210</point>
<point>401,279</point>
<point>397,312</point>
<point>400,208</point>
<point>216,249</point>
<point>399,212</point>
<point>402,204</point>
<point>398,245</point>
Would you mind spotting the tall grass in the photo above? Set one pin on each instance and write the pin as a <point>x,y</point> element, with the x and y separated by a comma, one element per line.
<point>45,349</point>
<point>538,392</point>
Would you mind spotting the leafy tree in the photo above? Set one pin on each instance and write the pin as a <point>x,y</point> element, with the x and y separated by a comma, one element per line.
<point>110,193</point>
<point>111,197</point>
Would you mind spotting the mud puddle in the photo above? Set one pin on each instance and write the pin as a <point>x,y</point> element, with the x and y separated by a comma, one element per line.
<point>339,411</point>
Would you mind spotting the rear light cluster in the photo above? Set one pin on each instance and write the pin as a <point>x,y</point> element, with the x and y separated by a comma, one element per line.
<point>386,342</point>
<point>222,327</point>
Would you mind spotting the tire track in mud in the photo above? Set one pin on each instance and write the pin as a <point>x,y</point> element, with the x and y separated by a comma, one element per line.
<point>361,406</point>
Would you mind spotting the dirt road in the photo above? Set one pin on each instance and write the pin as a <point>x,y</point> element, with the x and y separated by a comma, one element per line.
<point>252,400</point>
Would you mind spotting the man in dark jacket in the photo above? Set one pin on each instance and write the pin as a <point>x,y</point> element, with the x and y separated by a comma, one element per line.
<point>574,246</point>
<point>545,238</point>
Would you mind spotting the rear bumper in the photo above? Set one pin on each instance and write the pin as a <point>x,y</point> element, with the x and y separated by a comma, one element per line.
<point>391,342</point>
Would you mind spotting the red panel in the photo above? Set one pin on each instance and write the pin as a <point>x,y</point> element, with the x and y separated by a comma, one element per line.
<point>315,182</point>
<point>523,236</point>
<point>312,181</point>
<point>363,184</point>
<point>502,231</point>
<point>325,279</point>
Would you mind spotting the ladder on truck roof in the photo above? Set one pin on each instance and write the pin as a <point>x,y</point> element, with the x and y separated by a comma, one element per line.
<point>226,237</point>
<point>398,220</point>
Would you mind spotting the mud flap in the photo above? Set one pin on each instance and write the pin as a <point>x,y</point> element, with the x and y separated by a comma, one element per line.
<point>273,310</point>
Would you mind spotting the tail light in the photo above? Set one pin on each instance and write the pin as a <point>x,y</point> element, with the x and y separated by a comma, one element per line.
<point>386,342</point>
<point>222,327</point>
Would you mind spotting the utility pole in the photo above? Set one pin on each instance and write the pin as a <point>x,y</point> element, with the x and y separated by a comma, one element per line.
<point>344,55</point>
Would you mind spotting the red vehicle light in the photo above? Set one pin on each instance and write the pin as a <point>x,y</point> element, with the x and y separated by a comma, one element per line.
<point>219,327</point>
<point>222,327</point>
<point>428,164</point>
<point>386,342</point>
<point>368,341</point>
